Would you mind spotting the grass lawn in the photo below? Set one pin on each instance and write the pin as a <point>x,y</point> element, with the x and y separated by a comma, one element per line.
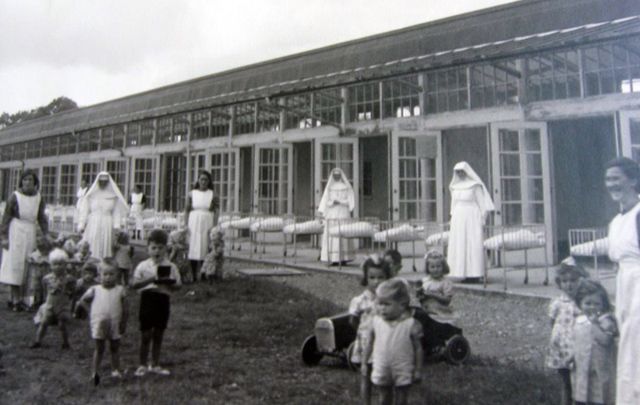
<point>238,343</point>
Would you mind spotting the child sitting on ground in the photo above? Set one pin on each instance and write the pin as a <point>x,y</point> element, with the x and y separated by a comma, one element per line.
<point>178,249</point>
<point>89,279</point>
<point>563,312</point>
<point>108,319</point>
<point>155,278</point>
<point>361,311</point>
<point>394,344</point>
<point>58,287</point>
<point>594,333</point>
<point>37,267</point>
<point>123,254</point>
<point>213,262</point>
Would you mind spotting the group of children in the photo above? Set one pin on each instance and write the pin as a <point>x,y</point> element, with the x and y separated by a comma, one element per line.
<point>389,337</point>
<point>582,345</point>
<point>211,269</point>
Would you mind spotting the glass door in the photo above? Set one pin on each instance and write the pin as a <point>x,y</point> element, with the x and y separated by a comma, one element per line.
<point>630,131</point>
<point>225,175</point>
<point>329,154</point>
<point>118,170</point>
<point>272,179</point>
<point>416,177</point>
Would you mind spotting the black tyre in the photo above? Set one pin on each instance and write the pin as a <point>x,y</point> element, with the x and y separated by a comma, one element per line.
<point>457,350</point>
<point>353,366</point>
<point>309,352</point>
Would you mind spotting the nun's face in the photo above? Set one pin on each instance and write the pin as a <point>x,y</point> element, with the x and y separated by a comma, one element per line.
<point>337,176</point>
<point>103,182</point>
<point>461,174</point>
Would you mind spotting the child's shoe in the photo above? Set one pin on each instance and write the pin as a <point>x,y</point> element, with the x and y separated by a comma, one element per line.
<point>159,370</point>
<point>95,379</point>
<point>140,371</point>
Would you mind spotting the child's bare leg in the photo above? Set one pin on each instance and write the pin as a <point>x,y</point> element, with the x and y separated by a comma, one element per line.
<point>42,330</point>
<point>386,394</point>
<point>114,348</point>
<point>565,393</point>
<point>145,343</point>
<point>365,387</point>
<point>65,333</point>
<point>97,356</point>
<point>157,346</point>
<point>402,395</point>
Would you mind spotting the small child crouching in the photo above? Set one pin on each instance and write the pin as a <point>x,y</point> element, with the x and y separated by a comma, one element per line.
<point>58,287</point>
<point>108,317</point>
<point>213,262</point>
<point>394,343</point>
<point>155,278</point>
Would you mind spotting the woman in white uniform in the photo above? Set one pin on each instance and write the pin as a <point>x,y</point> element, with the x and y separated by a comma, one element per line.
<point>25,208</point>
<point>470,204</point>
<point>338,200</point>
<point>137,201</point>
<point>622,180</point>
<point>202,215</point>
<point>102,211</point>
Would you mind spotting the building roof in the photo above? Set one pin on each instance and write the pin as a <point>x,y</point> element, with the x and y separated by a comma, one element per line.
<point>512,29</point>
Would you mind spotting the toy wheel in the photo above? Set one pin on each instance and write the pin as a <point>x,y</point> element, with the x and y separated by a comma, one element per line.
<point>353,366</point>
<point>310,354</point>
<point>457,350</point>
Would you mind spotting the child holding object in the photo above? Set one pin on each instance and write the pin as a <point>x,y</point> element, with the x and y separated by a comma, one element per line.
<point>108,317</point>
<point>563,312</point>
<point>58,287</point>
<point>594,333</point>
<point>361,311</point>
<point>155,278</point>
<point>394,344</point>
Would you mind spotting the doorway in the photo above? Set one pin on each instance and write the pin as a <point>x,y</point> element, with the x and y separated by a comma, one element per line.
<point>374,186</point>
<point>303,204</point>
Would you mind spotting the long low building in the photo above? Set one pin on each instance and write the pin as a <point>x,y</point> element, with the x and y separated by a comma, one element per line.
<point>536,95</point>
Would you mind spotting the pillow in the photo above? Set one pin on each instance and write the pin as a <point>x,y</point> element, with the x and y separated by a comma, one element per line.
<point>522,239</point>
<point>271,224</point>
<point>598,247</point>
<point>402,233</point>
<point>353,230</point>
<point>309,227</point>
<point>242,223</point>
<point>440,238</point>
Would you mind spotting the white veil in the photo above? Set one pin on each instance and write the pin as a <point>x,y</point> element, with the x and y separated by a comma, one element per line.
<point>472,179</point>
<point>121,208</point>
<point>324,201</point>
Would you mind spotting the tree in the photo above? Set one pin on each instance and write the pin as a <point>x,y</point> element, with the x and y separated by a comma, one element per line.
<point>56,106</point>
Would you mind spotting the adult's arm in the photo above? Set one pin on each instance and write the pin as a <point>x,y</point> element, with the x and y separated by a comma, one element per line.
<point>10,212</point>
<point>187,209</point>
<point>43,221</point>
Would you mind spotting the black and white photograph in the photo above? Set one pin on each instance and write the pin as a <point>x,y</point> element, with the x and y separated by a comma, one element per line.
<point>322,202</point>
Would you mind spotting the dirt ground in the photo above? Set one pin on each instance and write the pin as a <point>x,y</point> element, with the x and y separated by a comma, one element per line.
<point>238,342</point>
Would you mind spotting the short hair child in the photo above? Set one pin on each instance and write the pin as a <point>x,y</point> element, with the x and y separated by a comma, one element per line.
<point>123,254</point>
<point>563,311</point>
<point>88,278</point>
<point>594,350</point>
<point>394,343</point>
<point>213,262</point>
<point>155,288</point>
<point>361,311</point>
<point>437,291</point>
<point>108,319</point>
<point>37,268</point>
<point>394,258</point>
<point>58,287</point>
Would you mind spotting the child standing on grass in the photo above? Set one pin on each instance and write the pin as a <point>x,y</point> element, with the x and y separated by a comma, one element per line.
<point>361,311</point>
<point>38,267</point>
<point>123,253</point>
<point>394,344</point>
<point>594,334</point>
<point>88,279</point>
<point>213,262</point>
<point>108,319</point>
<point>155,278</point>
<point>178,249</point>
<point>563,312</point>
<point>58,287</point>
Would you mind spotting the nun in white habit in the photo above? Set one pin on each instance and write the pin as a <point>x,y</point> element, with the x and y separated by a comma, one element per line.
<point>338,200</point>
<point>470,204</point>
<point>102,210</point>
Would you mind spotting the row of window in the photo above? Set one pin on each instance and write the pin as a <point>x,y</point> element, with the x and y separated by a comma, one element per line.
<point>602,69</point>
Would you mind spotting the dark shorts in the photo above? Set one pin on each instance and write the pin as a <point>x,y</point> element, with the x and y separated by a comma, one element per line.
<point>154,310</point>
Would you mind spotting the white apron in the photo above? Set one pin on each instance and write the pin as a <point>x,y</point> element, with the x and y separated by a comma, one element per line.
<point>22,240</point>
<point>200,223</point>
<point>136,209</point>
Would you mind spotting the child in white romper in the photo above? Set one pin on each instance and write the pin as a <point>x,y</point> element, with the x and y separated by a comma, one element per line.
<point>394,342</point>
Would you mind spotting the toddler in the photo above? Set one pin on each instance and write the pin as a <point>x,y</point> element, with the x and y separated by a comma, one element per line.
<point>594,332</point>
<point>394,344</point>
<point>89,279</point>
<point>155,278</point>
<point>213,262</point>
<point>436,290</point>
<point>38,266</point>
<point>108,317</point>
<point>123,253</point>
<point>83,253</point>
<point>394,259</point>
<point>58,287</point>
<point>563,311</point>
<point>178,249</point>
<point>361,309</point>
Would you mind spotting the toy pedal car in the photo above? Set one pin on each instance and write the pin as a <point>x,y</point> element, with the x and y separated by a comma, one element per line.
<point>334,336</point>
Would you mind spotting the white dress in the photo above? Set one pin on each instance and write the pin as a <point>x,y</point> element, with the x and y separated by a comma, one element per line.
<point>331,248</point>
<point>624,249</point>
<point>22,240</point>
<point>136,209</point>
<point>103,217</point>
<point>465,252</point>
<point>200,223</point>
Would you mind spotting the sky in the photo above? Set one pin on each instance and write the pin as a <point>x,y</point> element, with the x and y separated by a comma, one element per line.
<point>99,50</point>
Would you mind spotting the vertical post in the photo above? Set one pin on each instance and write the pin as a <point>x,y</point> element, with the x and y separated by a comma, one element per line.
<point>422,98</point>
<point>344,109</point>
<point>188,167</point>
